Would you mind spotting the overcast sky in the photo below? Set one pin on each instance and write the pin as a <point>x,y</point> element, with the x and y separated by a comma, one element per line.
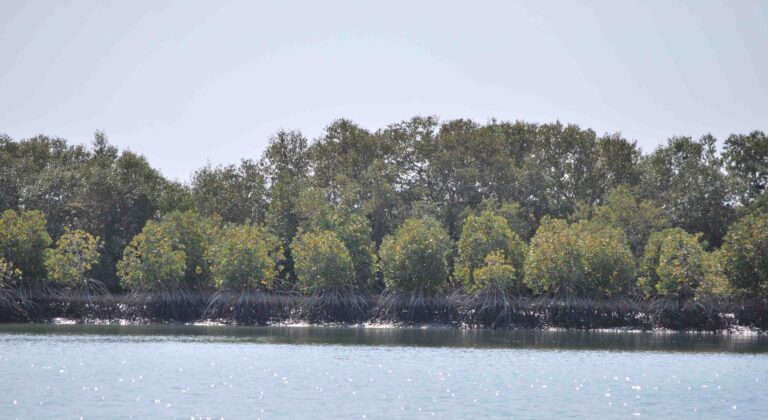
<point>188,82</point>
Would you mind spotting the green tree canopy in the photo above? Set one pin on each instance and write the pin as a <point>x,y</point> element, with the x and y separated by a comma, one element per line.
<point>365,183</point>
<point>745,254</point>
<point>23,240</point>
<point>99,190</point>
<point>154,260</point>
<point>496,273</point>
<point>521,220</point>
<point>352,228</point>
<point>674,264</point>
<point>481,236</point>
<point>715,283</point>
<point>685,178</point>
<point>285,163</point>
<point>415,257</point>
<point>322,262</point>
<point>638,219</point>
<point>746,158</point>
<point>193,233</point>
<point>241,256</point>
<point>581,259</point>
<point>71,261</point>
<point>236,193</point>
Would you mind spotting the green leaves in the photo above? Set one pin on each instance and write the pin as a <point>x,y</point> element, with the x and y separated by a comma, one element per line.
<point>23,240</point>
<point>415,257</point>
<point>460,176</point>
<point>154,260</point>
<point>745,254</point>
<point>8,273</point>
<point>481,236</point>
<point>746,158</point>
<point>193,233</point>
<point>675,263</point>
<point>638,219</point>
<point>685,179</point>
<point>74,256</point>
<point>322,262</point>
<point>236,193</point>
<point>350,227</point>
<point>581,259</point>
<point>241,256</point>
<point>496,273</point>
<point>169,253</point>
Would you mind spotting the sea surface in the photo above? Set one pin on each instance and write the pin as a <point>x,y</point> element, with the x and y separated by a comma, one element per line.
<point>178,371</point>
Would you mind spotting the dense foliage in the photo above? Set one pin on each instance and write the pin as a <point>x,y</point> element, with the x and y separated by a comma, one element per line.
<point>496,273</point>
<point>482,235</point>
<point>7,272</point>
<point>350,227</point>
<point>675,263</point>
<point>193,234</point>
<point>637,219</point>
<point>745,254</point>
<point>322,262</point>
<point>100,190</point>
<point>23,241</point>
<point>415,257</point>
<point>241,257</point>
<point>70,262</point>
<point>580,259</point>
<point>154,260</point>
<point>432,200</point>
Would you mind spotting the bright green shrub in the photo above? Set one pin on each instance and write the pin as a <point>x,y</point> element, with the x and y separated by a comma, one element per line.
<point>715,283</point>
<point>521,220</point>
<point>186,234</point>
<point>496,273</point>
<point>415,257</point>
<point>674,263</point>
<point>240,257</point>
<point>23,240</point>
<point>581,259</point>
<point>482,235</point>
<point>352,229</point>
<point>322,262</point>
<point>638,219</point>
<point>76,252</point>
<point>154,260</point>
<point>194,233</point>
<point>745,254</point>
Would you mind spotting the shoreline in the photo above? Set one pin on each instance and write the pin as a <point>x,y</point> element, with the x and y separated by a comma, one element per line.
<point>734,330</point>
<point>455,311</point>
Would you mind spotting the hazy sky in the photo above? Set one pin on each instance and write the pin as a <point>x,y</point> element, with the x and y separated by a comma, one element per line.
<point>193,81</point>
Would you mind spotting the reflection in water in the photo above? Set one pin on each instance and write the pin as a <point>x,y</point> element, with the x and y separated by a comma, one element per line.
<point>424,337</point>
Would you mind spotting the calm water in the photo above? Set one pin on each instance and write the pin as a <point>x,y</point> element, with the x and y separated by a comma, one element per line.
<point>322,372</point>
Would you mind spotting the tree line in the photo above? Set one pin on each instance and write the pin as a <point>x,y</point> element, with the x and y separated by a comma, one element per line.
<point>420,205</point>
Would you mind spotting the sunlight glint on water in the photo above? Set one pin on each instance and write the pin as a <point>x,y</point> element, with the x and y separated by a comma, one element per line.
<point>251,372</point>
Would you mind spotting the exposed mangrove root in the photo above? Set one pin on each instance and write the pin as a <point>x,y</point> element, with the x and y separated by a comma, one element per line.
<point>492,308</point>
<point>582,313</point>
<point>11,302</point>
<point>750,313</point>
<point>680,314</point>
<point>248,307</point>
<point>417,307</point>
<point>495,308</point>
<point>166,305</point>
<point>335,306</point>
<point>89,300</point>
